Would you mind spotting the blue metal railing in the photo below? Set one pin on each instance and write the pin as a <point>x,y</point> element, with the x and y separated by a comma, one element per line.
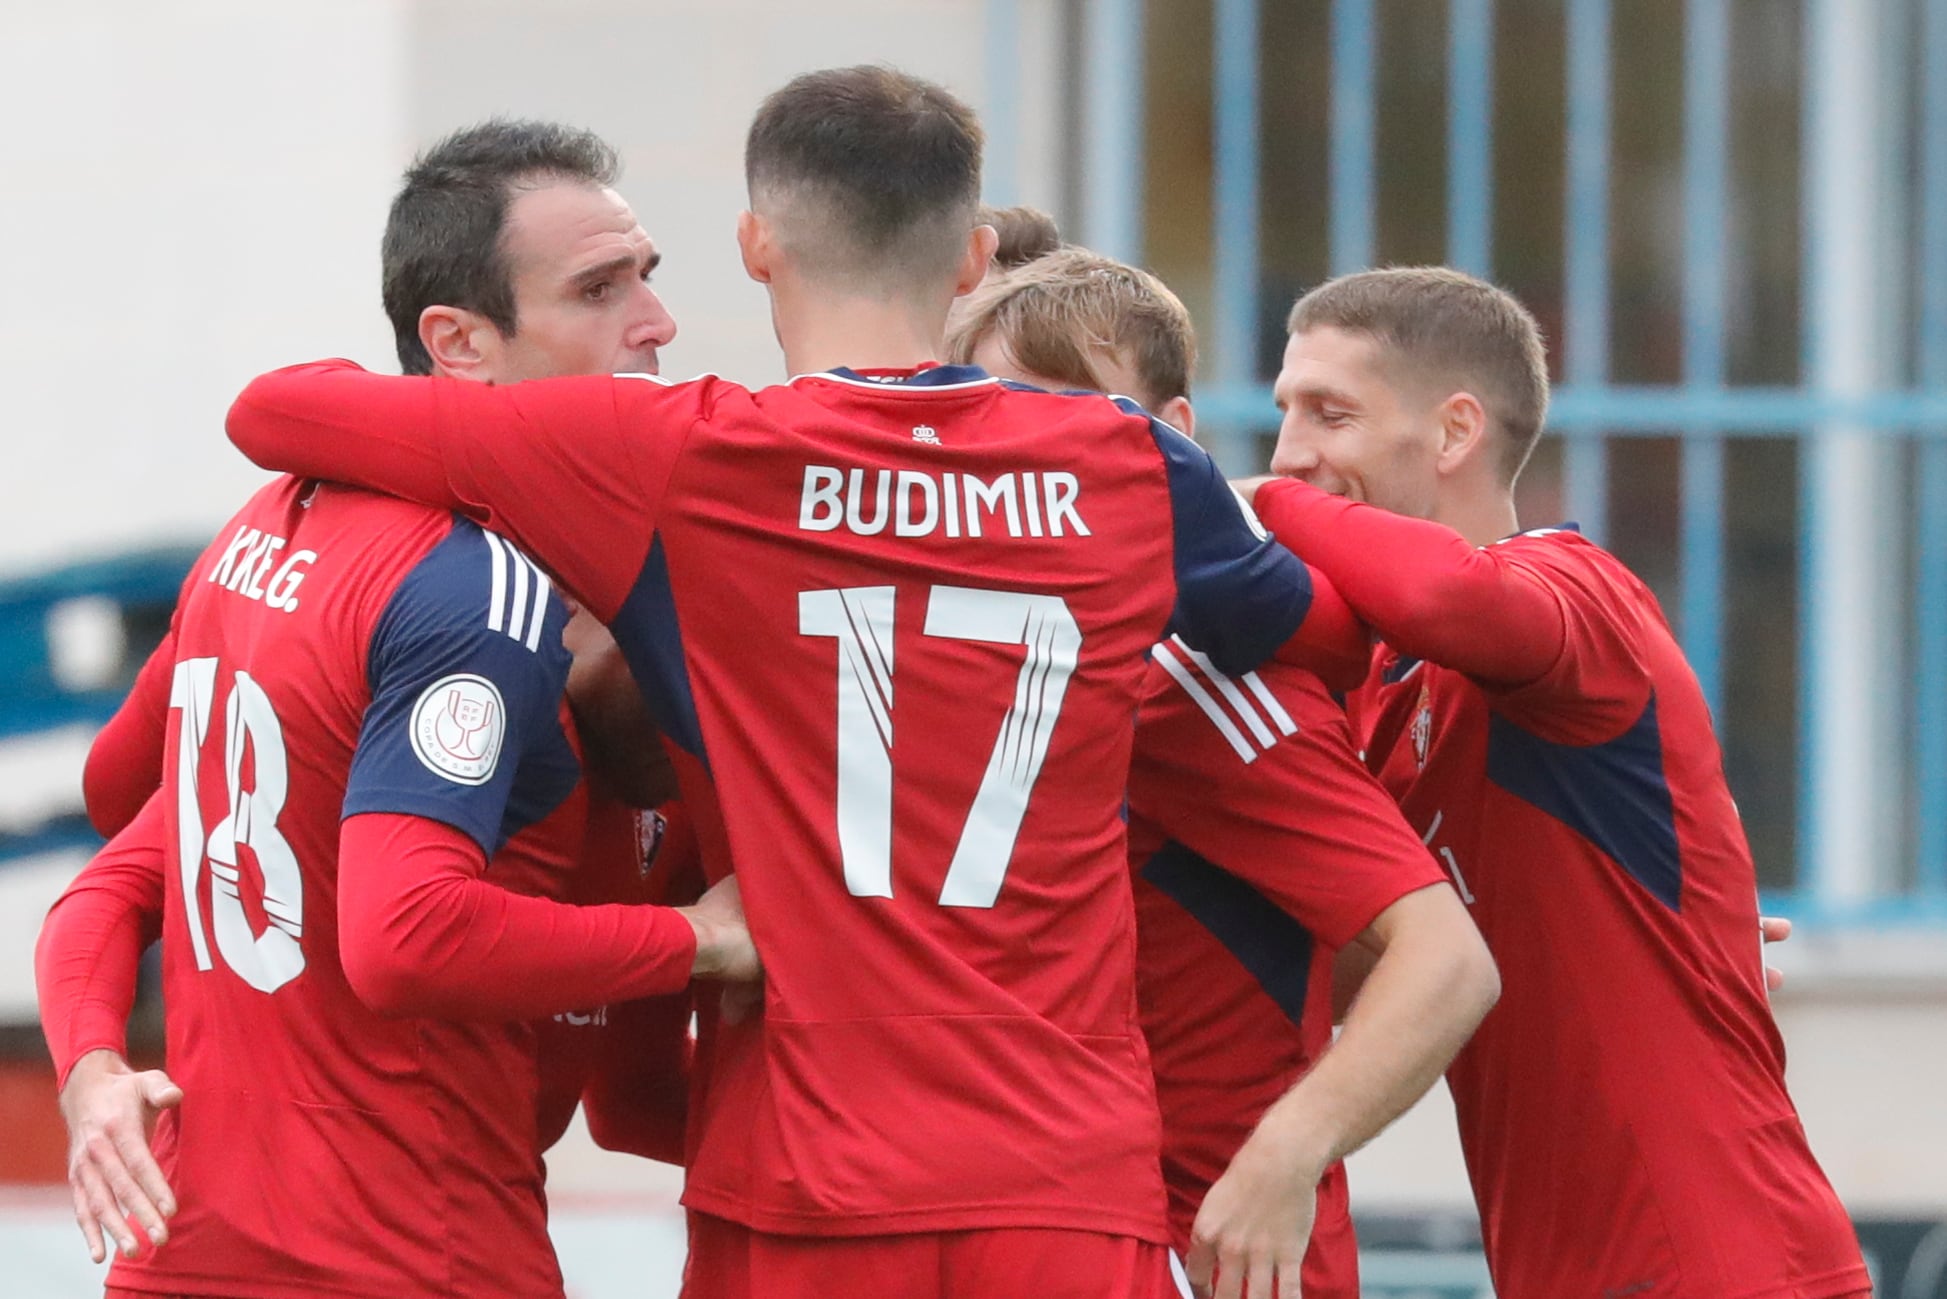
<point>1590,411</point>
<point>1930,605</point>
<point>33,697</point>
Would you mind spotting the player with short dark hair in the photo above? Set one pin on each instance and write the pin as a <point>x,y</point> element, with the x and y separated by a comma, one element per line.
<point>894,615</point>
<point>339,654</point>
<point>445,234</point>
<point>1623,1109</point>
<point>1261,847</point>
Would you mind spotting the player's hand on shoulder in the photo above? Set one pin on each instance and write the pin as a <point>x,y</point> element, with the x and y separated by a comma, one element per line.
<point>1254,1225</point>
<point>109,1109</point>
<point>723,944</point>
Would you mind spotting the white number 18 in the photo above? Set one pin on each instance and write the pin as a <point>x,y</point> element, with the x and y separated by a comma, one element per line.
<point>272,959</point>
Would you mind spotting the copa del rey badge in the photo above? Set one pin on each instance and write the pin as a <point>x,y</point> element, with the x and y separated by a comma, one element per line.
<point>457,727</point>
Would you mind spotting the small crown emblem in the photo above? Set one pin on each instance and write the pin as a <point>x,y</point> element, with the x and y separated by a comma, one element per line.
<point>927,434</point>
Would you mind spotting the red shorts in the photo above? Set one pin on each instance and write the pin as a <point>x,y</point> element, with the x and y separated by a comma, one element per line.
<point>730,1261</point>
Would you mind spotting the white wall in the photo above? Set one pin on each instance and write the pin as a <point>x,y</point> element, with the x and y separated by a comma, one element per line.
<point>195,191</point>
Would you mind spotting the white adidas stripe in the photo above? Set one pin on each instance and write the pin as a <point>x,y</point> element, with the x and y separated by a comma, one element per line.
<point>1167,654</point>
<point>1166,658</point>
<point>522,616</point>
<point>517,610</point>
<point>497,599</point>
<point>1279,716</point>
<point>540,614</point>
<point>1236,697</point>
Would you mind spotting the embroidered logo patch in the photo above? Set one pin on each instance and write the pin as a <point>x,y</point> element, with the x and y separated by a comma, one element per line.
<point>457,728</point>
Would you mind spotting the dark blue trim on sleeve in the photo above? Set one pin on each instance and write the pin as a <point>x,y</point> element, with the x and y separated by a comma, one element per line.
<point>1273,947</point>
<point>651,639</point>
<point>466,669</point>
<point>1613,794</point>
<point>1239,594</point>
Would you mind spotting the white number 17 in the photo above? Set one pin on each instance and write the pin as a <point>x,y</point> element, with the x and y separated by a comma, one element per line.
<point>860,619</point>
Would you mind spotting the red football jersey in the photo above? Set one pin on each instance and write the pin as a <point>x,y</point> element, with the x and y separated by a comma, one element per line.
<point>344,652</point>
<point>610,863</point>
<point>1623,1108</point>
<point>1261,847</point>
<point>902,624</point>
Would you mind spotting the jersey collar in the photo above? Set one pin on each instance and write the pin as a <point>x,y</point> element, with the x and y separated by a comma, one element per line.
<point>928,375</point>
<point>1571,526</point>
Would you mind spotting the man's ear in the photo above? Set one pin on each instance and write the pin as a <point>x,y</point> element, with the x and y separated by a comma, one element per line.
<point>1177,414</point>
<point>455,339</point>
<point>981,243</point>
<point>755,242</point>
<point>1463,432</point>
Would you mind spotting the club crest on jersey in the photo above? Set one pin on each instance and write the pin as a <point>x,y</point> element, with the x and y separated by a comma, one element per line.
<point>928,434</point>
<point>649,830</point>
<point>457,728</point>
<point>1423,726</point>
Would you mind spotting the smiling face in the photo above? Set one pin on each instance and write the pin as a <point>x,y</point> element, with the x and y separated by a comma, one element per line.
<point>580,267</point>
<point>1351,428</point>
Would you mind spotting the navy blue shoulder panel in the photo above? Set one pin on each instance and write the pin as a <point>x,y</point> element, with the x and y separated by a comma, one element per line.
<point>650,637</point>
<point>1613,794</point>
<point>1273,947</point>
<point>466,669</point>
<point>1239,594</point>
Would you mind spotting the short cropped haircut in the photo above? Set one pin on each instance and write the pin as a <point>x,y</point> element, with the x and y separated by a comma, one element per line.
<point>869,176</point>
<point>1025,234</point>
<point>1059,315</point>
<point>443,242</point>
<point>1443,326</point>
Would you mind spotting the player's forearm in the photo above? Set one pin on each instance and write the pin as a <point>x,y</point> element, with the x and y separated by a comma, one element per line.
<point>333,420</point>
<point>1426,994</point>
<point>421,934</point>
<point>91,944</point>
<point>1419,585</point>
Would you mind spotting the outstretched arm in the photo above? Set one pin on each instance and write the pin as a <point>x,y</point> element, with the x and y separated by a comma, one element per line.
<point>421,933</point>
<point>572,469</point>
<point>1420,586</point>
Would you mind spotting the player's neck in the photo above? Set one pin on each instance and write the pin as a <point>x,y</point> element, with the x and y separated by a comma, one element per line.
<point>1483,518</point>
<point>825,332</point>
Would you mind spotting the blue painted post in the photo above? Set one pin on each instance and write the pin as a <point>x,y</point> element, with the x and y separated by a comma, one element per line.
<point>1470,136</point>
<point>1586,251</point>
<point>1001,172</point>
<point>1930,567</point>
<point>1706,109</point>
<point>1234,218</point>
<point>1354,132</point>
<point>1113,115</point>
<point>1846,757</point>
